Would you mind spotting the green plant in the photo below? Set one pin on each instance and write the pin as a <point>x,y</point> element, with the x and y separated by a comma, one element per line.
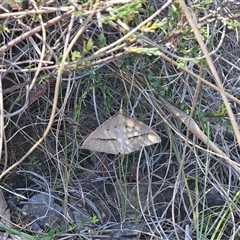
<point>126,12</point>
<point>3,29</point>
<point>101,40</point>
<point>87,47</point>
<point>146,51</point>
<point>93,219</point>
<point>49,236</point>
<point>218,116</point>
<point>218,232</point>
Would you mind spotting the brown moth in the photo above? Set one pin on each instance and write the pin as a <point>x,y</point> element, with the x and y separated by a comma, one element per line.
<point>120,134</point>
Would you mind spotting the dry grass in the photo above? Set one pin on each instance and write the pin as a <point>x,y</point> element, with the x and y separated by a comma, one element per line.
<point>65,67</point>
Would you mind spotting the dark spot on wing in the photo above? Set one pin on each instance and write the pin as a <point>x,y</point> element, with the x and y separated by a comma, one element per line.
<point>137,136</point>
<point>126,126</point>
<point>104,139</point>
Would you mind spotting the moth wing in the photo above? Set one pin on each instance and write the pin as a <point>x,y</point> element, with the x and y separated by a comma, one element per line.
<point>97,145</point>
<point>137,134</point>
<point>105,137</point>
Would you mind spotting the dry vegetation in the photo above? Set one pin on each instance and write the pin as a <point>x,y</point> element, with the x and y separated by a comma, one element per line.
<point>66,66</point>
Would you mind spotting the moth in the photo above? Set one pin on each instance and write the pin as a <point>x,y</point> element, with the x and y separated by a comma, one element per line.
<point>121,134</point>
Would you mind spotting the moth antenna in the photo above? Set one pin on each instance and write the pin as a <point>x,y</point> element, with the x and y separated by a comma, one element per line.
<point>121,106</point>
